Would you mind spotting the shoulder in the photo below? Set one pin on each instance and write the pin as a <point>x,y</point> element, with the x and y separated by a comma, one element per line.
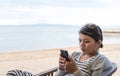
<point>101,61</point>
<point>75,54</point>
<point>101,58</point>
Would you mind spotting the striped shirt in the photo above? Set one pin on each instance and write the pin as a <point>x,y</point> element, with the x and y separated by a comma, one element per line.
<point>17,72</point>
<point>91,67</point>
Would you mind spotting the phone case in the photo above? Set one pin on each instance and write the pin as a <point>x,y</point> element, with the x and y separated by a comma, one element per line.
<point>64,54</point>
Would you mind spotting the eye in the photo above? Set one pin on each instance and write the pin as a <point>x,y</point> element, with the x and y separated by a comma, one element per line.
<point>79,40</point>
<point>86,41</point>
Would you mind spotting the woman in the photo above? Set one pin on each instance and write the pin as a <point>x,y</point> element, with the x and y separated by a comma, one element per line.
<point>89,62</point>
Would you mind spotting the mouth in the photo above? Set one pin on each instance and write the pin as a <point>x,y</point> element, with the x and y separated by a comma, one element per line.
<point>82,49</point>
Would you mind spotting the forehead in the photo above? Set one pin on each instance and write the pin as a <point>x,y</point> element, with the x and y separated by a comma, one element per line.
<point>83,36</point>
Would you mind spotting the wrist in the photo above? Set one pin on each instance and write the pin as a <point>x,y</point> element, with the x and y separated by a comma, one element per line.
<point>75,72</point>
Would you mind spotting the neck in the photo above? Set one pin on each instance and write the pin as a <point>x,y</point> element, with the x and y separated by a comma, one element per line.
<point>91,54</point>
<point>87,56</point>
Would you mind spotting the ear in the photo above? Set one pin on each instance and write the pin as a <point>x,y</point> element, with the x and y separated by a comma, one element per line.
<point>99,43</point>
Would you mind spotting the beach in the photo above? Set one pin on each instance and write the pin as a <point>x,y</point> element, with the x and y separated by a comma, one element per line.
<point>36,61</point>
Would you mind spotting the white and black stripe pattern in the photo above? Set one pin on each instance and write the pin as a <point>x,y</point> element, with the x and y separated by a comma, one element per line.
<point>90,67</point>
<point>83,66</point>
<point>86,67</point>
<point>17,72</point>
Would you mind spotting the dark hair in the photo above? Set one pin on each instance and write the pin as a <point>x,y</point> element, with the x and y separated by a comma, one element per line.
<point>93,31</point>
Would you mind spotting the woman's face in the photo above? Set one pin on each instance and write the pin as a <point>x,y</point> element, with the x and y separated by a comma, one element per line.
<point>88,44</point>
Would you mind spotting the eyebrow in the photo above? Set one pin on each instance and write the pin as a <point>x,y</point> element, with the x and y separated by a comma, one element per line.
<point>84,39</point>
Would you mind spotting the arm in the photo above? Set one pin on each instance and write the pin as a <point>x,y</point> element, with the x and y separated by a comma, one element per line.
<point>62,65</point>
<point>98,68</point>
<point>100,65</point>
<point>66,66</point>
<point>72,68</point>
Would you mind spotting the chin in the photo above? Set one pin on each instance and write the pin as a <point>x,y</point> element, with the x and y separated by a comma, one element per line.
<point>85,52</point>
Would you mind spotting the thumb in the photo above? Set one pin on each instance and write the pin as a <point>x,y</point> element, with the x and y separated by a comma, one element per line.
<point>70,58</point>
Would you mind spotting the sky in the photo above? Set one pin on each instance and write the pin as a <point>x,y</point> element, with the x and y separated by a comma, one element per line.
<point>69,12</point>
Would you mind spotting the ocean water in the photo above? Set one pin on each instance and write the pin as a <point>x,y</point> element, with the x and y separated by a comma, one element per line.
<point>42,36</point>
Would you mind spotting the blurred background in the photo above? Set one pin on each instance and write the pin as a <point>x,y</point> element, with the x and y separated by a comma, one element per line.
<point>45,24</point>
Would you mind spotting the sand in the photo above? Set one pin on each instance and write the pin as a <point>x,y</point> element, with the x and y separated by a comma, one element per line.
<point>37,61</point>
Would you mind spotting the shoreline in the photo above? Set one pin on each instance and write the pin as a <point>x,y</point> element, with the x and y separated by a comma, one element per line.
<point>52,49</point>
<point>36,61</point>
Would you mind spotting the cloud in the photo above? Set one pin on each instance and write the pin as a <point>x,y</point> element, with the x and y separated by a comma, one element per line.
<point>56,12</point>
<point>64,3</point>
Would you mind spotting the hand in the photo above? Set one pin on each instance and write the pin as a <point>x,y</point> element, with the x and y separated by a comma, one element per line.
<point>70,66</point>
<point>62,62</point>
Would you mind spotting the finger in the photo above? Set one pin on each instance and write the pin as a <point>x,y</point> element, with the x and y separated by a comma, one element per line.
<point>61,65</point>
<point>62,58</point>
<point>62,61</point>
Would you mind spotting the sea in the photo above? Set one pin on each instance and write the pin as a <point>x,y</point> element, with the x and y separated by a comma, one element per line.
<point>42,36</point>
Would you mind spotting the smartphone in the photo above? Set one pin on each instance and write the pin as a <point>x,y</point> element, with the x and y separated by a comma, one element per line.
<point>64,54</point>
